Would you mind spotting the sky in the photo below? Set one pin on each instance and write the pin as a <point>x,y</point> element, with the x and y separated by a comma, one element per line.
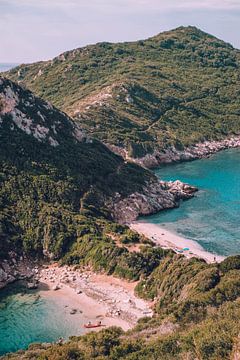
<point>33,30</point>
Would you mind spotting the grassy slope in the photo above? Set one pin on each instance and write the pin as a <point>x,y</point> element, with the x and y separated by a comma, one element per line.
<point>178,87</point>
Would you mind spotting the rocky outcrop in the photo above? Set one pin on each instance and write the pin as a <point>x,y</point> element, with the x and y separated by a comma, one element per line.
<point>8,272</point>
<point>178,189</point>
<point>5,276</point>
<point>154,197</point>
<point>171,155</point>
<point>21,110</point>
<point>14,268</point>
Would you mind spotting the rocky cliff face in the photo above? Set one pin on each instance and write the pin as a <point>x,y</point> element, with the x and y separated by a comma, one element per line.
<point>155,196</point>
<point>17,268</point>
<point>171,155</point>
<point>35,117</point>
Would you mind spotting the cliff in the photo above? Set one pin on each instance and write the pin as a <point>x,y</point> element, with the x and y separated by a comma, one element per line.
<point>174,155</point>
<point>155,196</point>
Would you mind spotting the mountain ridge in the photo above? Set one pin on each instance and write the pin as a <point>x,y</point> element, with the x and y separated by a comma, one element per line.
<point>173,90</point>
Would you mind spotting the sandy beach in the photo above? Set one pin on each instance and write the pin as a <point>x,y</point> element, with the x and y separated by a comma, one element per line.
<point>169,240</point>
<point>86,296</point>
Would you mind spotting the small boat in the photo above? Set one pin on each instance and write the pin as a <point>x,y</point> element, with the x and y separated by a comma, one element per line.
<point>91,326</point>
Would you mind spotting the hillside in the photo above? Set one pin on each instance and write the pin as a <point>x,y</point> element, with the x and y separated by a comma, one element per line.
<point>54,179</point>
<point>58,199</point>
<point>172,90</point>
<point>65,196</point>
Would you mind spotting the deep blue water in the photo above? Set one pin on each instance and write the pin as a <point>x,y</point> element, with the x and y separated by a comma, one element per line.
<point>26,317</point>
<point>212,218</point>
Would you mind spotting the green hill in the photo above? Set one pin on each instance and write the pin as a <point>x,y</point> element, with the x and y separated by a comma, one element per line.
<point>175,89</point>
<point>58,185</point>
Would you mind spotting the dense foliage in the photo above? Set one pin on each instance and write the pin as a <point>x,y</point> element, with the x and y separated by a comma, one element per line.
<point>176,88</point>
<point>49,194</point>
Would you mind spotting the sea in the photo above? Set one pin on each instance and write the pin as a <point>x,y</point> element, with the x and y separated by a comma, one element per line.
<point>6,66</point>
<point>27,316</point>
<point>212,217</point>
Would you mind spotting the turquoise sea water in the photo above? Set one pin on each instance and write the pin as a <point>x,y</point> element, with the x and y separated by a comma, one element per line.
<point>26,317</point>
<point>212,218</point>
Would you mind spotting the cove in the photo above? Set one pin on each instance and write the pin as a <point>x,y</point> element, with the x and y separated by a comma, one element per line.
<point>27,317</point>
<point>212,218</point>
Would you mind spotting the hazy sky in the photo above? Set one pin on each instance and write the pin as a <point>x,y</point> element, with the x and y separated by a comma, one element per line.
<point>41,29</point>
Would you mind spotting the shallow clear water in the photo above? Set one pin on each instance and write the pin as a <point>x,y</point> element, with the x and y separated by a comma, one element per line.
<point>212,218</point>
<point>25,317</point>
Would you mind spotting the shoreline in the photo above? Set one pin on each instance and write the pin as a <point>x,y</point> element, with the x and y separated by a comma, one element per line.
<point>96,297</point>
<point>194,152</point>
<point>170,155</point>
<point>169,240</point>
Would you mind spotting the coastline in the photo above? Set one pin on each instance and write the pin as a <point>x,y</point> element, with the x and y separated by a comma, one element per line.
<point>172,155</point>
<point>169,240</point>
<point>84,295</point>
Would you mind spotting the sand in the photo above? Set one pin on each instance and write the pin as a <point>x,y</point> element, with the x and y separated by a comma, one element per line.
<point>170,240</point>
<point>85,296</point>
<point>93,297</point>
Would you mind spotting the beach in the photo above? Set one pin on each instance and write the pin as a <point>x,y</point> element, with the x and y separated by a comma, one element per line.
<point>86,296</point>
<point>169,240</point>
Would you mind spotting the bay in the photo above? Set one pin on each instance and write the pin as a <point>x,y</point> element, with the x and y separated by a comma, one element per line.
<point>28,317</point>
<point>212,218</point>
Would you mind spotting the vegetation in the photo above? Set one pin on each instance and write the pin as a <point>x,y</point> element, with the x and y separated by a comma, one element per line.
<point>173,89</point>
<point>208,328</point>
<point>177,88</point>
<point>52,198</point>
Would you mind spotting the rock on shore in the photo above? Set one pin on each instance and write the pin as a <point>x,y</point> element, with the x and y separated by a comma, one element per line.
<point>171,155</point>
<point>14,268</point>
<point>155,196</point>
